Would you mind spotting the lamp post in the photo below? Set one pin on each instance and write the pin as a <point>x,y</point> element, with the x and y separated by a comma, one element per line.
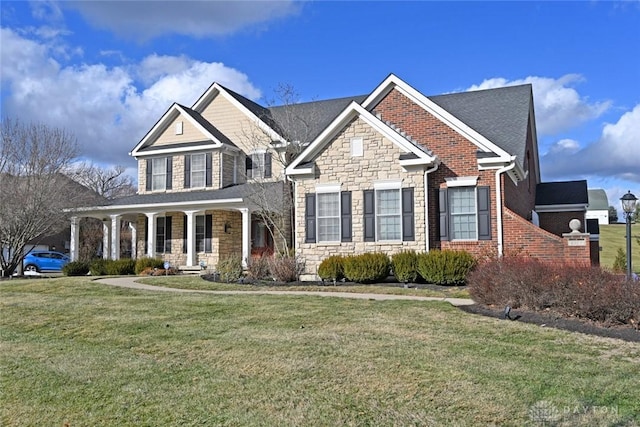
<point>628,207</point>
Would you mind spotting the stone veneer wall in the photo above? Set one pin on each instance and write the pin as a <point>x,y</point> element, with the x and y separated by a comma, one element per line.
<point>177,171</point>
<point>336,165</point>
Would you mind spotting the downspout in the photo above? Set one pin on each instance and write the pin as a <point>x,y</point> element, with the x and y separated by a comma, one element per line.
<point>426,205</point>
<point>499,205</point>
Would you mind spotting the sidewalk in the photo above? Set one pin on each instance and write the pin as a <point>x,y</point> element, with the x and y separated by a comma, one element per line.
<point>130,282</point>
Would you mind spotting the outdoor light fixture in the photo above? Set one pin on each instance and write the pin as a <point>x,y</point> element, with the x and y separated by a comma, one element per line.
<point>227,228</point>
<point>628,207</point>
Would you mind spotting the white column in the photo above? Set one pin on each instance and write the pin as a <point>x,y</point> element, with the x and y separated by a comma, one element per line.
<point>105,238</point>
<point>115,236</point>
<point>191,238</point>
<point>133,226</point>
<point>74,239</point>
<point>246,235</point>
<point>151,234</point>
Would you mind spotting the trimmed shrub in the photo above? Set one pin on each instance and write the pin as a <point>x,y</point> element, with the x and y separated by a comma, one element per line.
<point>230,268</point>
<point>258,267</point>
<point>285,268</point>
<point>121,267</point>
<point>572,291</point>
<point>146,262</point>
<point>367,268</point>
<point>405,266</point>
<point>98,267</point>
<point>332,268</point>
<point>445,267</point>
<point>76,268</point>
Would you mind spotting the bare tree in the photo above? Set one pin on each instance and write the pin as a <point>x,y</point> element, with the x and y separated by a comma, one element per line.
<point>33,190</point>
<point>110,182</point>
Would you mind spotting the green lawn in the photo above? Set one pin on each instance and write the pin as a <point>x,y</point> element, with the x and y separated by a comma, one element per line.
<point>612,237</point>
<point>78,353</point>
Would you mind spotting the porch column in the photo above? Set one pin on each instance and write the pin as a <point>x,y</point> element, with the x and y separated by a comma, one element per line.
<point>151,234</point>
<point>191,238</point>
<point>74,241</point>
<point>246,235</point>
<point>105,238</point>
<point>115,236</point>
<point>134,239</point>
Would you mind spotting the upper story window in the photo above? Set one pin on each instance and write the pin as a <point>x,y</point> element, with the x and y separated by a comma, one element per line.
<point>159,174</point>
<point>197,170</point>
<point>258,165</point>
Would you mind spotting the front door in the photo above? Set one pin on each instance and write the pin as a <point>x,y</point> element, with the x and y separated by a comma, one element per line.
<point>261,239</point>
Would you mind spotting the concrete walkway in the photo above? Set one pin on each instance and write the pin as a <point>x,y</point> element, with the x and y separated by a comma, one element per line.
<point>130,282</point>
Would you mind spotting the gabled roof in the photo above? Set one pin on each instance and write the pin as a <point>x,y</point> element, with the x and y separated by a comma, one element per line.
<point>420,155</point>
<point>562,194</point>
<point>598,200</point>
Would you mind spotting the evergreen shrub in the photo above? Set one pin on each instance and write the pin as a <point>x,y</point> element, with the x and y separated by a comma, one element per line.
<point>445,267</point>
<point>405,266</point>
<point>367,268</point>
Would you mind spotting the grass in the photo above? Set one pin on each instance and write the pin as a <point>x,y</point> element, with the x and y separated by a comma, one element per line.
<point>612,237</point>
<point>196,282</point>
<point>73,352</point>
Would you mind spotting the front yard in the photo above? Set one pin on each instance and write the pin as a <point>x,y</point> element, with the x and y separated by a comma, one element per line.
<point>81,353</point>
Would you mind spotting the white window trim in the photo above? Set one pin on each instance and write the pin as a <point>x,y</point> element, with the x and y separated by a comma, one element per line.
<point>451,214</point>
<point>462,181</point>
<point>192,170</point>
<point>179,128</point>
<point>328,189</point>
<point>154,173</point>
<point>357,147</point>
<point>262,152</point>
<point>388,184</point>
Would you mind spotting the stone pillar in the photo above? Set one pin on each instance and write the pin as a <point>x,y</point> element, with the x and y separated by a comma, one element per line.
<point>115,236</point>
<point>106,240</point>
<point>246,235</point>
<point>151,234</point>
<point>74,239</point>
<point>134,239</point>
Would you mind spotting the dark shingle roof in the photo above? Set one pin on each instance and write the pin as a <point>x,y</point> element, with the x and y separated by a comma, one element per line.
<point>501,115</point>
<point>208,126</point>
<point>562,193</point>
<point>258,110</point>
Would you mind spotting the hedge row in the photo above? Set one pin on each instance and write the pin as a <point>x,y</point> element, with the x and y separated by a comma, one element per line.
<point>439,267</point>
<point>103,267</point>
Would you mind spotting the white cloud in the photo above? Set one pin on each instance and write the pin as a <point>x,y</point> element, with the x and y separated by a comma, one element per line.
<point>102,105</point>
<point>616,154</point>
<point>565,146</point>
<point>144,20</point>
<point>558,106</point>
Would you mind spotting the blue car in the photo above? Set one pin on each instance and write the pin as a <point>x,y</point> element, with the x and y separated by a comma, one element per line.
<point>39,261</point>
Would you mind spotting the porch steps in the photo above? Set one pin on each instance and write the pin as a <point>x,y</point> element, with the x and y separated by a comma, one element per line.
<point>190,269</point>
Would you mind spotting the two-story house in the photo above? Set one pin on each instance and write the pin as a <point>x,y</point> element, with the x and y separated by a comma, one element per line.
<point>387,171</point>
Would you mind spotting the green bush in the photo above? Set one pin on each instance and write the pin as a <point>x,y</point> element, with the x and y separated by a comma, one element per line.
<point>146,262</point>
<point>445,267</point>
<point>98,267</point>
<point>230,268</point>
<point>120,267</point>
<point>332,268</point>
<point>76,268</point>
<point>620,262</point>
<point>405,266</point>
<point>367,268</point>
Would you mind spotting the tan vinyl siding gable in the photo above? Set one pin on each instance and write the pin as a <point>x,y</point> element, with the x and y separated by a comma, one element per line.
<point>189,133</point>
<point>236,125</point>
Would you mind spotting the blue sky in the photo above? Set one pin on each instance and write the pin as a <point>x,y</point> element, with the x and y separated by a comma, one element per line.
<point>107,70</point>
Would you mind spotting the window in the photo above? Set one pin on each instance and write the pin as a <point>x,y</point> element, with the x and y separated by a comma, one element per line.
<point>328,217</point>
<point>259,165</point>
<point>389,222</point>
<point>159,174</point>
<point>179,128</point>
<point>163,234</point>
<point>462,202</point>
<point>198,170</point>
<point>465,213</point>
<point>203,225</point>
<point>357,148</point>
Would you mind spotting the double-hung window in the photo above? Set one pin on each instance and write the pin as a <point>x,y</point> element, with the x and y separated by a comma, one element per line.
<point>388,214</point>
<point>465,210</point>
<point>163,234</point>
<point>328,217</point>
<point>258,165</point>
<point>198,170</point>
<point>159,174</point>
<point>462,202</point>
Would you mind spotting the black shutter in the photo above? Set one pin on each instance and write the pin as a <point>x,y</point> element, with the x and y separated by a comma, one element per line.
<point>208,170</point>
<point>267,165</point>
<point>187,171</point>
<point>167,235</point>
<point>146,235</point>
<point>207,233</point>
<point>484,213</point>
<point>369,216</point>
<point>310,218</point>
<point>248,166</point>
<point>408,220</point>
<point>345,216</point>
<point>184,233</point>
<point>443,205</point>
<point>169,172</point>
<point>149,174</point>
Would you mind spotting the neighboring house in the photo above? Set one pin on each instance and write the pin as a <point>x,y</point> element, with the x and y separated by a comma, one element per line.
<point>598,206</point>
<point>388,171</point>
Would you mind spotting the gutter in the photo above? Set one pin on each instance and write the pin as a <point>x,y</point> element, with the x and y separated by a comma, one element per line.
<point>426,204</point>
<point>499,205</point>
